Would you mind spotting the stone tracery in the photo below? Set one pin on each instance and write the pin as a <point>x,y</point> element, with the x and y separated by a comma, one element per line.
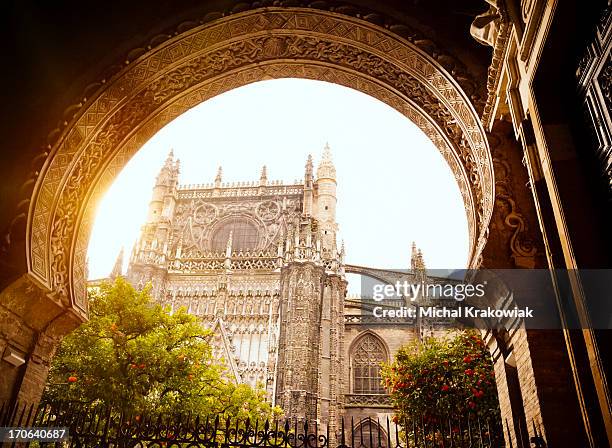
<point>366,356</point>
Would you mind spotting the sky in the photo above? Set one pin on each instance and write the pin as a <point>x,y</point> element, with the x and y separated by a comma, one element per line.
<point>394,187</point>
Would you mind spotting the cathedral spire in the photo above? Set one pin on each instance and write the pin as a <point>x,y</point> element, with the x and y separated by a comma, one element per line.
<point>325,202</point>
<point>417,262</point>
<point>118,267</point>
<point>326,167</point>
<point>219,177</point>
<point>263,179</point>
<point>308,188</point>
<point>308,176</point>
<point>168,174</point>
<point>420,260</point>
<point>169,165</point>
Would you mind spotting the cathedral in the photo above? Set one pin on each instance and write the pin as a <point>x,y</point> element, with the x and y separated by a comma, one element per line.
<point>259,263</point>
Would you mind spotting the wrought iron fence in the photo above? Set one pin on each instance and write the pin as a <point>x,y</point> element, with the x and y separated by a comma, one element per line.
<point>106,427</point>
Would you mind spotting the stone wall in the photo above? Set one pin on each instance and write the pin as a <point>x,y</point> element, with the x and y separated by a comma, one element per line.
<point>32,324</point>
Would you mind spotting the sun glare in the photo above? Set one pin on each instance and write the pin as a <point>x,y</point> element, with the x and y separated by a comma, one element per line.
<point>394,187</point>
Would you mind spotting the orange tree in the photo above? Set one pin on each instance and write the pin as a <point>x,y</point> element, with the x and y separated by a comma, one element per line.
<point>443,377</point>
<point>138,357</point>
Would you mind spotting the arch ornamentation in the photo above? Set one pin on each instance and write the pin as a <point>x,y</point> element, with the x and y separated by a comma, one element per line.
<point>215,57</point>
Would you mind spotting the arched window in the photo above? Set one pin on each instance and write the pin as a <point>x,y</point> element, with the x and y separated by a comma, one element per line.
<point>366,356</point>
<point>368,434</point>
<point>244,236</point>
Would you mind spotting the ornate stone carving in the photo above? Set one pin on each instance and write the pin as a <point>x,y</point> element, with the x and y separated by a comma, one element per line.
<point>484,28</point>
<point>509,225</point>
<point>605,81</point>
<point>268,210</point>
<point>521,245</point>
<point>374,400</point>
<point>205,214</point>
<point>594,76</point>
<point>224,54</point>
<point>195,262</point>
<point>195,221</point>
<point>494,72</point>
<point>492,29</point>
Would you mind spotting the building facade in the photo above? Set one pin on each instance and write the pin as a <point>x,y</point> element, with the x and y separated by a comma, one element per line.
<point>259,263</point>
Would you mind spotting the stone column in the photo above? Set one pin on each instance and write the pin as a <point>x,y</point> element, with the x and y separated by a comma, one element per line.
<point>32,324</point>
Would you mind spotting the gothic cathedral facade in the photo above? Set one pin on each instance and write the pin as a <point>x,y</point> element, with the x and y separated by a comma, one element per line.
<point>259,263</point>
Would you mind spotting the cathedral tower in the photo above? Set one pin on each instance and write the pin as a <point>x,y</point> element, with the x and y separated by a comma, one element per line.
<point>325,203</point>
<point>313,287</point>
<point>148,262</point>
<point>163,199</point>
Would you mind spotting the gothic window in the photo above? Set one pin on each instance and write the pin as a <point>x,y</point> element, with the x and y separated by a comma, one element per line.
<point>367,355</point>
<point>369,434</point>
<point>244,236</point>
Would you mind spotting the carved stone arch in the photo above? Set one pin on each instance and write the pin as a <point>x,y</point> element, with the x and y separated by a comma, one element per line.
<point>218,56</point>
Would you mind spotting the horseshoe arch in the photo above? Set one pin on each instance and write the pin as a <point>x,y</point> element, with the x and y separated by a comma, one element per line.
<point>226,53</point>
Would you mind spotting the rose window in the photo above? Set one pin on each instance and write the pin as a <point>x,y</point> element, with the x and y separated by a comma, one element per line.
<point>244,236</point>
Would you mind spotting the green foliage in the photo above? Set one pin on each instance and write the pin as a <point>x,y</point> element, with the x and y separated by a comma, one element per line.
<point>442,377</point>
<point>136,356</point>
